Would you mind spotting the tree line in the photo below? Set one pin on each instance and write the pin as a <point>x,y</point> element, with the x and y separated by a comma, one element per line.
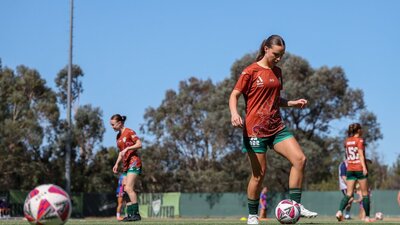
<point>189,143</point>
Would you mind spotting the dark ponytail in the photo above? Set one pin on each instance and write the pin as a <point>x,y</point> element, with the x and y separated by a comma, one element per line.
<point>271,40</point>
<point>118,118</point>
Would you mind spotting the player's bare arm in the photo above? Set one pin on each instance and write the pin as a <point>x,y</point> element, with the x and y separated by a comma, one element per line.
<point>236,119</point>
<point>299,103</point>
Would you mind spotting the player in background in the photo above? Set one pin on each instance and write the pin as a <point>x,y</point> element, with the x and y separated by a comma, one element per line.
<point>120,196</point>
<point>343,186</point>
<point>260,84</point>
<point>358,200</point>
<point>263,203</point>
<point>1,208</point>
<point>356,170</point>
<point>361,212</point>
<point>398,198</point>
<point>128,144</point>
<point>5,209</point>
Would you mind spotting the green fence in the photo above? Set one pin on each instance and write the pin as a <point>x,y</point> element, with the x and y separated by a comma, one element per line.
<point>208,204</point>
<point>235,204</point>
<point>104,204</point>
<point>221,204</point>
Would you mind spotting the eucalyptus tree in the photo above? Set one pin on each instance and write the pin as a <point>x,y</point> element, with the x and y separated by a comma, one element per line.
<point>87,129</point>
<point>28,116</point>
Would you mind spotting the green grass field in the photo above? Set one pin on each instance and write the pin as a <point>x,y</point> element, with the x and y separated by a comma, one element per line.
<point>199,221</point>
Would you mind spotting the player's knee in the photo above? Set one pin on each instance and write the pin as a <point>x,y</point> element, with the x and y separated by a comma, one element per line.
<point>300,162</point>
<point>128,189</point>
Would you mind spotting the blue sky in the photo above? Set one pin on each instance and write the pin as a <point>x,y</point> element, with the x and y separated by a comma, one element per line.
<point>133,51</point>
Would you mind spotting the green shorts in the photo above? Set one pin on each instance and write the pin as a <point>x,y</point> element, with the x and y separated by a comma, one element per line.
<point>355,175</point>
<point>260,145</point>
<point>135,170</point>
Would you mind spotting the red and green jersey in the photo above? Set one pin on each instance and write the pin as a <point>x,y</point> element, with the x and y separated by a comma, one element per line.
<point>352,145</point>
<point>125,139</point>
<point>261,90</point>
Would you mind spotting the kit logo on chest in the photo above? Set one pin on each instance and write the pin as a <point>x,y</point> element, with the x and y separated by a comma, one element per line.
<point>259,82</point>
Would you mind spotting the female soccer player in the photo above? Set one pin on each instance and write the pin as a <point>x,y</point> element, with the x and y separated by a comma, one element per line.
<point>398,198</point>
<point>260,84</point>
<point>263,203</point>
<point>129,145</point>
<point>343,187</point>
<point>356,170</point>
<point>120,196</point>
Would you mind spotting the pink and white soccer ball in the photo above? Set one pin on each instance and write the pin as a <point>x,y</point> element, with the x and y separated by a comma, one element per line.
<point>379,216</point>
<point>47,204</point>
<point>287,211</point>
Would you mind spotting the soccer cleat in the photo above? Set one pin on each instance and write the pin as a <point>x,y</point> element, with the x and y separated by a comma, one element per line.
<point>134,217</point>
<point>307,213</point>
<point>252,219</point>
<point>347,217</point>
<point>339,216</point>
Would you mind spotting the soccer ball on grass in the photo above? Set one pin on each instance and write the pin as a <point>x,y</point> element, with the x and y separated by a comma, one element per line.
<point>287,211</point>
<point>379,216</point>
<point>47,204</point>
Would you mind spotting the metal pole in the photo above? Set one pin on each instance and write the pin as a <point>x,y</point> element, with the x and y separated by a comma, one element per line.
<point>68,144</point>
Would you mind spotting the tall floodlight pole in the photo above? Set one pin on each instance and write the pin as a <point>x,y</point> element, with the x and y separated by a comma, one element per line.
<point>69,127</point>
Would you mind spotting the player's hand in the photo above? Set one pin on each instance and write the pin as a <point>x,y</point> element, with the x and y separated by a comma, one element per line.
<point>299,103</point>
<point>365,172</point>
<point>236,120</point>
<point>115,168</point>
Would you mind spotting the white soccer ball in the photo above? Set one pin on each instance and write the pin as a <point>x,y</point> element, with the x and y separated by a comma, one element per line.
<point>379,216</point>
<point>287,211</point>
<point>47,204</point>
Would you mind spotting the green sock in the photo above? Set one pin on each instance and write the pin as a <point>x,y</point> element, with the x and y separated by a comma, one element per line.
<point>295,194</point>
<point>366,204</point>
<point>135,207</point>
<point>253,206</point>
<point>130,209</point>
<point>344,202</point>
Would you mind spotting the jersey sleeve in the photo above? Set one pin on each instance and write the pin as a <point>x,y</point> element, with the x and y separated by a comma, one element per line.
<point>360,144</point>
<point>243,83</point>
<point>133,136</point>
